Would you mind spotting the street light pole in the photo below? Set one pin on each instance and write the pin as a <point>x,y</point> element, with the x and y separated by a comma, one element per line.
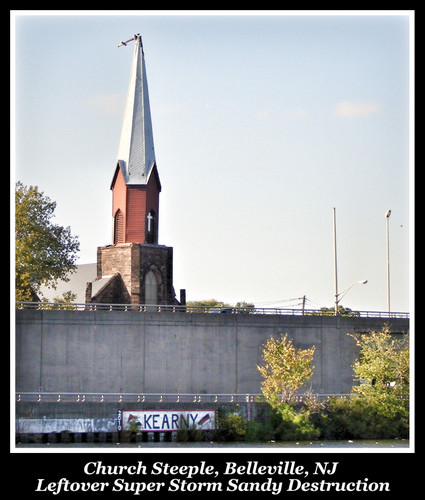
<point>340,295</point>
<point>387,224</point>
<point>335,263</point>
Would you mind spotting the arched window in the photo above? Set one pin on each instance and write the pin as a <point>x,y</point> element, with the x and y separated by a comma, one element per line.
<point>118,227</point>
<point>151,288</point>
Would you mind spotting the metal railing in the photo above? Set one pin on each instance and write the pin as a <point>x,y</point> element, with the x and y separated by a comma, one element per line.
<point>67,306</point>
<point>121,397</point>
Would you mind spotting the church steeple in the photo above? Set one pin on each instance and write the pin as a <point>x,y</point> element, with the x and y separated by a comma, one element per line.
<point>135,269</point>
<point>135,184</point>
<point>136,153</point>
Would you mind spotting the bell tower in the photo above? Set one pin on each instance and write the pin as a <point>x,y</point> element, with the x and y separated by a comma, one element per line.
<point>135,268</point>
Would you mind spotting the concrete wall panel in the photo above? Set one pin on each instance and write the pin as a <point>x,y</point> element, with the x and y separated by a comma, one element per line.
<point>131,352</point>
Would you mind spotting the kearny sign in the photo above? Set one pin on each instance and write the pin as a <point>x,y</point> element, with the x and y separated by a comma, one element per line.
<point>158,420</point>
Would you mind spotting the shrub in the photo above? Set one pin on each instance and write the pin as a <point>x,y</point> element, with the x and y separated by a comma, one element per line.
<point>191,434</point>
<point>295,425</point>
<point>230,427</point>
<point>257,431</point>
<point>357,418</point>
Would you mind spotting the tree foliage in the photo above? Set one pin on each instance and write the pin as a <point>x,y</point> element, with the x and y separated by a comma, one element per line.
<point>208,305</point>
<point>382,371</point>
<point>211,304</point>
<point>330,311</point>
<point>44,251</point>
<point>286,369</point>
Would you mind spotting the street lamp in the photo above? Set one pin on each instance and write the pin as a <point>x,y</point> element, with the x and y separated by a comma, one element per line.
<point>387,223</point>
<point>339,296</point>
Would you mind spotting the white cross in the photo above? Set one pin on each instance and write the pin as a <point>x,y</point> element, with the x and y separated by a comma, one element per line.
<point>149,217</point>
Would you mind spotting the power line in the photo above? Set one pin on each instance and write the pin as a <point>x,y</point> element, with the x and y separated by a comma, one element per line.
<point>274,302</point>
<point>302,302</point>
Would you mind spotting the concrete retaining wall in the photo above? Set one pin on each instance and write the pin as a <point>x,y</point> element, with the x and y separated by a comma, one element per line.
<point>103,351</point>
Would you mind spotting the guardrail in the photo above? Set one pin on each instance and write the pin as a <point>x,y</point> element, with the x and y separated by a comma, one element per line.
<point>67,306</point>
<point>121,397</point>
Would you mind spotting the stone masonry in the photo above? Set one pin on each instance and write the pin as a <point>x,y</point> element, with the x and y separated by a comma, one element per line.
<point>133,261</point>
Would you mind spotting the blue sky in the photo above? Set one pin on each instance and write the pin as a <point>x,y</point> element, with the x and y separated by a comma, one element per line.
<point>262,124</point>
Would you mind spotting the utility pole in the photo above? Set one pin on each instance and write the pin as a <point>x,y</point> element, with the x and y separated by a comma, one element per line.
<point>387,224</point>
<point>335,263</point>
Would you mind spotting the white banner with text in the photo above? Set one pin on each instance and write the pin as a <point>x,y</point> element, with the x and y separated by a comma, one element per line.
<point>168,420</point>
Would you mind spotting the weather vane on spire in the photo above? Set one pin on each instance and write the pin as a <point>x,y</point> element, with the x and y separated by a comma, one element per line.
<point>134,37</point>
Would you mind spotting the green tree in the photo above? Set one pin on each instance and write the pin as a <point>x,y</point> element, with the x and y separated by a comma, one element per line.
<point>207,305</point>
<point>245,307</point>
<point>382,371</point>
<point>210,304</point>
<point>286,369</point>
<point>330,311</point>
<point>44,251</point>
<point>65,302</point>
<point>230,426</point>
<point>378,407</point>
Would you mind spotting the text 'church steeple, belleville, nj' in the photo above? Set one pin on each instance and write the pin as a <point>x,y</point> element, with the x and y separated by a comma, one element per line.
<point>135,269</point>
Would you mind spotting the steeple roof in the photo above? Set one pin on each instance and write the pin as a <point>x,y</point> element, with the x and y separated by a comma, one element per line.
<point>136,153</point>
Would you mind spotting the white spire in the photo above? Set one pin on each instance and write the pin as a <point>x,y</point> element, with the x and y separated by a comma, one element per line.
<point>136,154</point>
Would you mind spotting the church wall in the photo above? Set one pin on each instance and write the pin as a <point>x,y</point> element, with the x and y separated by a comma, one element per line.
<point>136,214</point>
<point>133,261</point>
<point>119,200</point>
<point>119,258</point>
<point>131,352</point>
<point>160,258</point>
<point>114,293</point>
<point>119,194</point>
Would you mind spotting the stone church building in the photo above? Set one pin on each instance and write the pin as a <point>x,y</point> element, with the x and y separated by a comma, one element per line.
<point>134,269</point>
